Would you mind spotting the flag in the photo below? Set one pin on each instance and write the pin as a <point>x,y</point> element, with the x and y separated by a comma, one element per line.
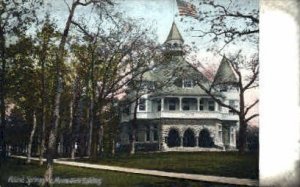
<point>186,9</point>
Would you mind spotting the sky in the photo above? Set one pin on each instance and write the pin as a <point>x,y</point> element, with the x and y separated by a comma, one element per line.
<point>159,14</point>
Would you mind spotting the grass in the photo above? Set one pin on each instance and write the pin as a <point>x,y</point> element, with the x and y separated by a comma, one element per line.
<point>18,168</point>
<point>229,164</point>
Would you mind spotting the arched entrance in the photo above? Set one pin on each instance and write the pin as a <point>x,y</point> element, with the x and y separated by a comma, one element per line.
<point>205,140</point>
<point>173,138</point>
<point>189,138</point>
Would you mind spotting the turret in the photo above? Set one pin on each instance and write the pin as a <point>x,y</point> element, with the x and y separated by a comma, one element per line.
<point>174,43</point>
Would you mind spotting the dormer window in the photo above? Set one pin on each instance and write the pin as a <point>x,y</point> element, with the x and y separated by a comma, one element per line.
<point>142,104</point>
<point>187,83</point>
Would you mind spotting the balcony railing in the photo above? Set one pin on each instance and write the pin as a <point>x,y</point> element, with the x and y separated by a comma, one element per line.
<point>183,115</point>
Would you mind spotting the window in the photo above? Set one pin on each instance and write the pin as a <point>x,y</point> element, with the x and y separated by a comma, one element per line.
<point>185,105</point>
<point>231,135</point>
<point>172,104</point>
<point>147,134</point>
<point>142,104</point>
<point>155,133</point>
<point>136,136</point>
<point>211,105</point>
<point>187,83</point>
<point>220,133</point>
<point>158,105</point>
<point>201,104</point>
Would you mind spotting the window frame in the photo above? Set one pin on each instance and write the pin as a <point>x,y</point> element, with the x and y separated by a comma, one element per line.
<point>142,105</point>
<point>173,102</point>
<point>211,103</point>
<point>184,81</point>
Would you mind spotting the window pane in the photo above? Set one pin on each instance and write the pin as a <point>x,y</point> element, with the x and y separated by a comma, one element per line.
<point>185,105</point>
<point>148,134</point>
<point>142,104</point>
<point>201,104</point>
<point>172,104</point>
<point>211,105</point>
<point>155,133</point>
<point>187,83</point>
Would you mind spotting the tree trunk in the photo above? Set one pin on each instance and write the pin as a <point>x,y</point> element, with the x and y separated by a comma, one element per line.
<point>43,133</point>
<point>76,115</point>
<point>96,133</point>
<point>101,133</point>
<point>242,137</point>
<point>113,147</point>
<point>94,143</point>
<point>31,138</point>
<point>134,128</point>
<point>76,126</point>
<point>70,134</point>
<point>91,121</point>
<point>48,176</point>
<point>2,96</point>
<point>55,118</point>
<point>243,124</point>
<point>91,108</point>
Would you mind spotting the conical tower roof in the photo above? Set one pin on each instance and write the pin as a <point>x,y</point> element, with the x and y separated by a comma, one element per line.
<point>174,34</point>
<point>225,73</point>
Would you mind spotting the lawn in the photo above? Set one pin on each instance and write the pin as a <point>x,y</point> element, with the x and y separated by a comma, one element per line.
<point>18,168</point>
<point>229,164</point>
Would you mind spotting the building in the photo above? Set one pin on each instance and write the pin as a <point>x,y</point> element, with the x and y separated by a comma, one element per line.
<point>181,116</point>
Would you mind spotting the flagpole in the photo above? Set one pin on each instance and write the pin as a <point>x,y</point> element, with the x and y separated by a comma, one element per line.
<point>174,2</point>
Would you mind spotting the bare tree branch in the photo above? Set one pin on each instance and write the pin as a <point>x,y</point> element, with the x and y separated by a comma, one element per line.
<point>251,117</point>
<point>251,106</point>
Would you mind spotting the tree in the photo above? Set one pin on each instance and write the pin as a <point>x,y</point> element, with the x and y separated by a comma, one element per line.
<point>236,23</point>
<point>228,22</point>
<point>23,72</point>
<point>115,59</point>
<point>44,51</point>
<point>14,20</point>
<point>58,85</point>
<point>247,78</point>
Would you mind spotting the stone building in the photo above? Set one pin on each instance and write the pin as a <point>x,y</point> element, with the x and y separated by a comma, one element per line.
<point>181,116</point>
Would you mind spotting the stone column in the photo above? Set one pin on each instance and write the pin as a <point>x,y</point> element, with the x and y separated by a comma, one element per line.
<point>162,100</point>
<point>197,141</point>
<point>181,141</point>
<point>198,104</point>
<point>180,103</point>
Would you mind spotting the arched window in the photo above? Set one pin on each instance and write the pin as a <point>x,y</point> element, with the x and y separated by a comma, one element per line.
<point>188,138</point>
<point>173,139</point>
<point>205,140</point>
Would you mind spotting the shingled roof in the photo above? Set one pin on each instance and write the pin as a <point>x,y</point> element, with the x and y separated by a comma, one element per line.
<point>225,73</point>
<point>174,34</point>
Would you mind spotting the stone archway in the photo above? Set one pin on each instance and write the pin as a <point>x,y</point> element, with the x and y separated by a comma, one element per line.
<point>173,139</point>
<point>205,140</point>
<point>189,138</point>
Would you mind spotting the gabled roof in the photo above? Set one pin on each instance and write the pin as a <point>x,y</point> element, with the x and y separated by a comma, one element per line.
<point>174,34</point>
<point>175,70</point>
<point>225,73</point>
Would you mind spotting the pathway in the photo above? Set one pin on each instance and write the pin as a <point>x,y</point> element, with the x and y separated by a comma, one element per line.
<point>194,177</point>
